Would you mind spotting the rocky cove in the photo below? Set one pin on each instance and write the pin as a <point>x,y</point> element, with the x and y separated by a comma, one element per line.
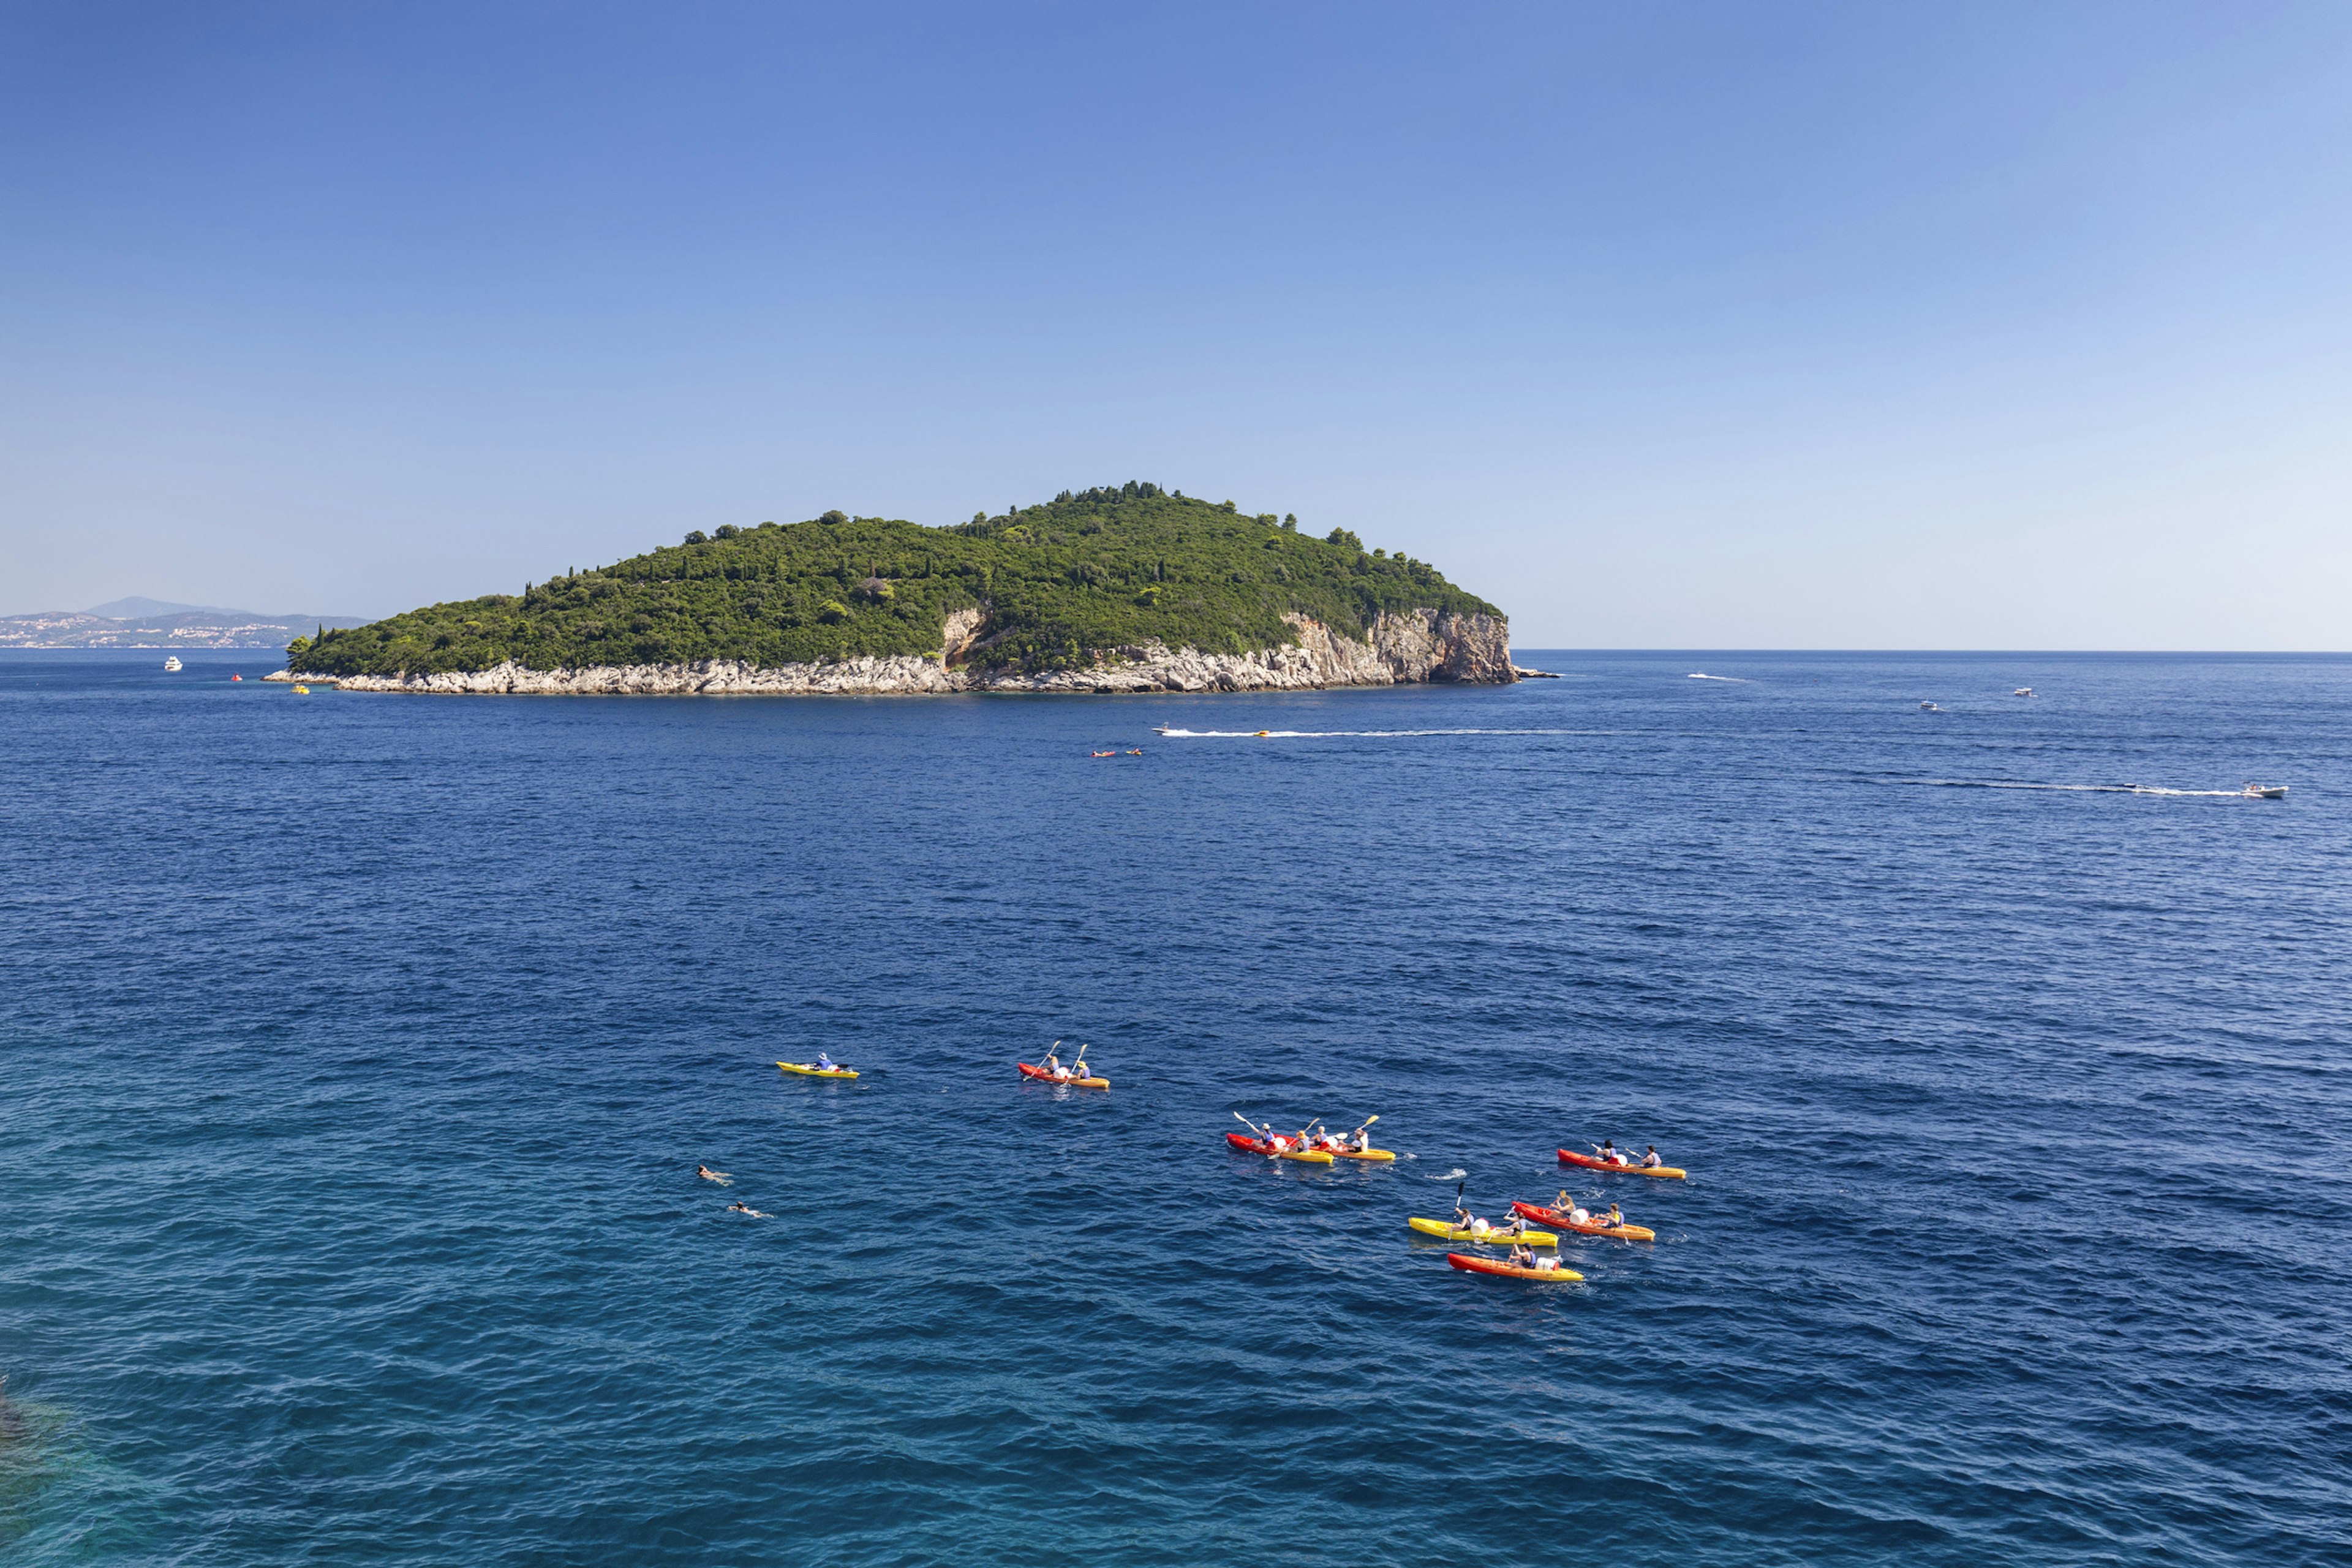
<point>1400,647</point>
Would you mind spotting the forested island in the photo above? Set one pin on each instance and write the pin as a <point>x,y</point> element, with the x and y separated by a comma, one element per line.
<point>1125,588</point>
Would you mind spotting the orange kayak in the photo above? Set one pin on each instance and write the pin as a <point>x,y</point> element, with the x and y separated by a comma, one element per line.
<point>1487,1266</point>
<point>1559,1220</point>
<point>1590,1163</point>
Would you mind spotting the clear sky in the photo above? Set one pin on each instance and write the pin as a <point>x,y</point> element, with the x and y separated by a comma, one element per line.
<point>1701,325</point>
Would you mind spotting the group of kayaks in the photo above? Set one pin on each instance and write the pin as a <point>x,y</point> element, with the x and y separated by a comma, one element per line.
<point>1311,1146</point>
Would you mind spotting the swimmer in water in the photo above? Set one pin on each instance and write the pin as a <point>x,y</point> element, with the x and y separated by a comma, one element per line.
<point>739,1206</point>
<point>708,1174</point>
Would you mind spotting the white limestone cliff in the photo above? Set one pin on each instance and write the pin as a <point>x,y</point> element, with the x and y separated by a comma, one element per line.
<point>1409,647</point>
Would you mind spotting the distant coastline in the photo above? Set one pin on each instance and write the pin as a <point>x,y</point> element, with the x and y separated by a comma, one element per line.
<point>156,623</point>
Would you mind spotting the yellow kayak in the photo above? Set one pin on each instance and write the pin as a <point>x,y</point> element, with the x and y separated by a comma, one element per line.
<point>1365,1153</point>
<point>1447,1229</point>
<point>807,1071</point>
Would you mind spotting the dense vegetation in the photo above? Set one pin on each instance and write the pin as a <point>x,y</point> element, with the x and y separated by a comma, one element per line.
<point>1100,569</point>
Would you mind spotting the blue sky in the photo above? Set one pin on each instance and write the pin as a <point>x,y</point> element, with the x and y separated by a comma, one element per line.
<point>1666,325</point>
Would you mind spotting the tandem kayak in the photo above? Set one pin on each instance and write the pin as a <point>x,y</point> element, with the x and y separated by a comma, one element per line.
<point>1488,1266</point>
<point>1363,1154</point>
<point>1543,1215</point>
<point>1257,1146</point>
<point>807,1071</point>
<point>1590,1163</point>
<point>1073,1082</point>
<point>1490,1238</point>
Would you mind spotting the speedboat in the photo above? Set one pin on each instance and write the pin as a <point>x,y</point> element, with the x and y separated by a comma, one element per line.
<point>2265,792</point>
<point>2022,691</point>
<point>172,662</point>
<point>1929,708</point>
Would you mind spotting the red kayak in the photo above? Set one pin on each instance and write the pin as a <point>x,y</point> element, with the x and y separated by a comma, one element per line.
<point>1558,1219</point>
<point>1489,1266</point>
<point>1591,1163</point>
<point>1029,1071</point>
<point>1258,1146</point>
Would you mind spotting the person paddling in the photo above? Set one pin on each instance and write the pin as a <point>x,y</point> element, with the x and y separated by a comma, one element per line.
<point>1651,1162</point>
<point>824,1063</point>
<point>1616,1220</point>
<point>1522,1256</point>
<point>1609,1154</point>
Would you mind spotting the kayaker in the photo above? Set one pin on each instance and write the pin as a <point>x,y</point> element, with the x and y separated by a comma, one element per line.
<point>1616,1217</point>
<point>1565,1203</point>
<point>1464,1220</point>
<point>1523,1257</point>
<point>1651,1162</point>
<point>824,1063</point>
<point>1609,1155</point>
<point>1518,1226</point>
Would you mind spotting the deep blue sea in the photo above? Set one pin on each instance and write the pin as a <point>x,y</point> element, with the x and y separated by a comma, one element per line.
<point>359,1052</point>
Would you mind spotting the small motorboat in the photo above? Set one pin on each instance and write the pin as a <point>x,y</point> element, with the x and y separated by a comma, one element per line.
<point>2022,691</point>
<point>1160,728</point>
<point>1929,708</point>
<point>1263,733</point>
<point>301,691</point>
<point>237,677</point>
<point>172,662</point>
<point>2264,792</point>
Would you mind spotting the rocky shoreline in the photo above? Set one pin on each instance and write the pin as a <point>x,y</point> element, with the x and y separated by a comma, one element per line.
<point>1411,647</point>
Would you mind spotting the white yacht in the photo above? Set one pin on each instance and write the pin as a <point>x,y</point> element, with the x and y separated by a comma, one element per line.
<point>171,662</point>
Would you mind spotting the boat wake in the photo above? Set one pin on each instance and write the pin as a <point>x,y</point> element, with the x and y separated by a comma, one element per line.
<point>2068,788</point>
<point>1175,734</point>
<point>1735,679</point>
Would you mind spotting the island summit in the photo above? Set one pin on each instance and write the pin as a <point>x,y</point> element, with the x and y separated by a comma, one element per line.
<point>1124,589</point>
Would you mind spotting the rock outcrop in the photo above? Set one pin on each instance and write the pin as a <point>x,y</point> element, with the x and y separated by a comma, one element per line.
<point>1411,647</point>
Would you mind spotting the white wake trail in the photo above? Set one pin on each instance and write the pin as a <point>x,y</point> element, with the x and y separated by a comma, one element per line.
<point>2071,788</point>
<point>1174,734</point>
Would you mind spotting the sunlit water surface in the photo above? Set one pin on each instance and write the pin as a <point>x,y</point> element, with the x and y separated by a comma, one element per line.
<point>360,1051</point>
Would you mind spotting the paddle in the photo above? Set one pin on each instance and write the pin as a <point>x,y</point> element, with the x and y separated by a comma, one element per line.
<point>1263,1134</point>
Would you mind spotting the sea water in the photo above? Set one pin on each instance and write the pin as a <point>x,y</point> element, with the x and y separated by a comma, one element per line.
<point>359,1052</point>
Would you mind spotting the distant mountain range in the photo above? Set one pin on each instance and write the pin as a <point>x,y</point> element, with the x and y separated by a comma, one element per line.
<point>157,622</point>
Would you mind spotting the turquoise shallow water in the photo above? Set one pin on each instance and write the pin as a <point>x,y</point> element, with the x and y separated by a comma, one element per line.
<point>360,1051</point>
